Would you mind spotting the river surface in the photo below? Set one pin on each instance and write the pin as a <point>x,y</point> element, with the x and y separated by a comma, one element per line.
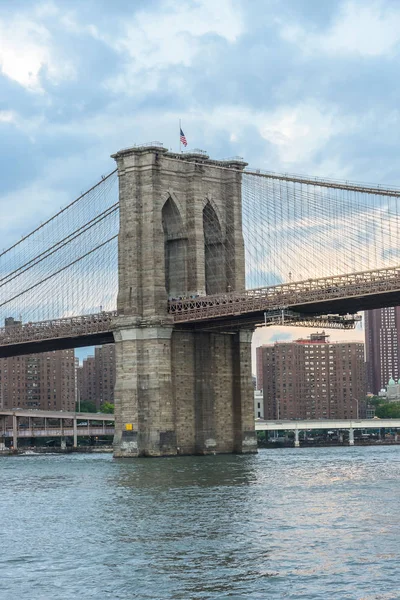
<point>314,523</point>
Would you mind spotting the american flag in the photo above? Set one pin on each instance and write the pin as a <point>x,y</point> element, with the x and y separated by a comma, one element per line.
<point>183,138</point>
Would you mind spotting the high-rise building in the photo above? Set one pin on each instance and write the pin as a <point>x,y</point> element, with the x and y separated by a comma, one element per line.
<point>105,373</point>
<point>96,376</point>
<point>313,379</point>
<point>382,336</point>
<point>87,380</point>
<point>259,368</point>
<point>44,381</point>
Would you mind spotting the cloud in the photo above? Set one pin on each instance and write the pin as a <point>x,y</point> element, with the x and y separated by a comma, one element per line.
<point>366,29</point>
<point>309,87</point>
<point>7,116</point>
<point>174,36</point>
<point>27,54</point>
<point>299,131</point>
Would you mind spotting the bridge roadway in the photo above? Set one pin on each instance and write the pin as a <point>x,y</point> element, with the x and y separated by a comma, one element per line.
<point>57,334</point>
<point>43,429</point>
<point>337,295</point>
<point>348,424</point>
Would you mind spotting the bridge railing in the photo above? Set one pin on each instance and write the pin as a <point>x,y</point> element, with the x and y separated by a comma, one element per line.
<point>200,308</point>
<point>286,294</point>
<point>57,328</point>
<point>59,432</point>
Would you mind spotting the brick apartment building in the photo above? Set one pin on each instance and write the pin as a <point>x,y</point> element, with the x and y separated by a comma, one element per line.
<point>382,339</point>
<point>96,376</point>
<point>39,381</point>
<point>312,379</point>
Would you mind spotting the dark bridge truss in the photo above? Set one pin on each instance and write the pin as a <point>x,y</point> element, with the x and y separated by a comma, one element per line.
<point>323,302</point>
<point>72,332</point>
<point>338,295</point>
<point>90,330</point>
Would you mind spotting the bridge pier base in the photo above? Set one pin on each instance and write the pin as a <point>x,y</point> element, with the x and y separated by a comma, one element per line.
<point>214,392</point>
<point>183,392</point>
<point>296,439</point>
<point>351,436</point>
<point>15,432</point>
<point>144,405</point>
<point>75,432</point>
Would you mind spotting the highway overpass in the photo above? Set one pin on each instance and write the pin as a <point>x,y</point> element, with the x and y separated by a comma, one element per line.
<point>329,424</point>
<point>41,423</point>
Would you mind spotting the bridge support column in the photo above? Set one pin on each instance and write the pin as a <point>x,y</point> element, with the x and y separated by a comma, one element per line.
<point>144,405</point>
<point>245,438</point>
<point>2,433</point>
<point>351,436</point>
<point>213,390</point>
<point>183,392</point>
<point>75,430</point>
<point>179,391</point>
<point>15,432</point>
<point>296,438</point>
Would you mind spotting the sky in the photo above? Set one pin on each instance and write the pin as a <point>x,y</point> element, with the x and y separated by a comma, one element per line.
<point>300,86</point>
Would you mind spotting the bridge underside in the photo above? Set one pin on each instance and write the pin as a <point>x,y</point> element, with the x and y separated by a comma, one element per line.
<point>343,306</point>
<point>59,343</point>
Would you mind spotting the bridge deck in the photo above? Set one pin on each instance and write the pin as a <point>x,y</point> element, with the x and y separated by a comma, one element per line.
<point>329,295</point>
<point>340,294</point>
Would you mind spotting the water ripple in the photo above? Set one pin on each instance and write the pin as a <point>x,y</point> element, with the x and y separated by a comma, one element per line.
<point>306,524</point>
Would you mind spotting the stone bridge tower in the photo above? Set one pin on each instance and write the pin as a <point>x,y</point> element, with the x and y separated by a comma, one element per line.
<point>179,390</point>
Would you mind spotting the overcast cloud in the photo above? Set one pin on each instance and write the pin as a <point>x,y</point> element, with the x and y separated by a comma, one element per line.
<point>291,85</point>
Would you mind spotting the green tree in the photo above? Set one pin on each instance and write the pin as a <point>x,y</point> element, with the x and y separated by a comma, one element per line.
<point>388,410</point>
<point>107,408</point>
<point>375,400</point>
<point>86,406</point>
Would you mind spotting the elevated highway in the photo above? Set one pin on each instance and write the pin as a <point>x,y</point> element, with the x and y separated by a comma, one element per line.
<point>328,424</point>
<point>41,423</point>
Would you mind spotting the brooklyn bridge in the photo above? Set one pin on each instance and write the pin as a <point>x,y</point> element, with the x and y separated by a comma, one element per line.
<point>177,258</point>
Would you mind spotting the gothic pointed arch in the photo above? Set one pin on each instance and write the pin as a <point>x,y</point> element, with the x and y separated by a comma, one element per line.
<point>175,250</point>
<point>214,252</point>
<point>210,200</point>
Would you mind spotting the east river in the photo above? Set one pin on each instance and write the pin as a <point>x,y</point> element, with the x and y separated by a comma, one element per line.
<point>315,523</point>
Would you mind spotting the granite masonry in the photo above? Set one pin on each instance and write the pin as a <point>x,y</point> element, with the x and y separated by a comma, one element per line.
<point>179,390</point>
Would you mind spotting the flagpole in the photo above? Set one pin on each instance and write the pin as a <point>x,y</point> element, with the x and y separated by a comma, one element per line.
<point>180,143</point>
